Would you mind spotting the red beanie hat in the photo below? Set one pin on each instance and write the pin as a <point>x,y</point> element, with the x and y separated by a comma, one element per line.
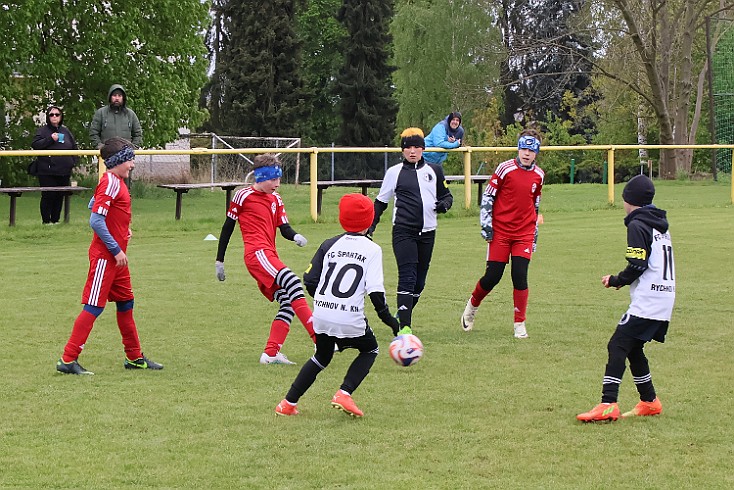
<point>356,212</point>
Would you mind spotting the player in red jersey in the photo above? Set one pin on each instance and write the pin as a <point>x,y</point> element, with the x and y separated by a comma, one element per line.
<point>260,211</point>
<point>509,220</point>
<point>109,276</point>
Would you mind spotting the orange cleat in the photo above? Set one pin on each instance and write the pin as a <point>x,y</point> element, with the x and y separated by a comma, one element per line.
<point>600,413</point>
<point>285,408</point>
<point>344,402</point>
<point>645,409</point>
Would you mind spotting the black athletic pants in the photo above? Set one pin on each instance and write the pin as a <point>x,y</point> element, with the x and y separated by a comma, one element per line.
<point>413,250</point>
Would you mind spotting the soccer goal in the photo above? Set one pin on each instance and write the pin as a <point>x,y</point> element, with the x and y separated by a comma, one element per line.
<point>720,40</point>
<point>238,166</point>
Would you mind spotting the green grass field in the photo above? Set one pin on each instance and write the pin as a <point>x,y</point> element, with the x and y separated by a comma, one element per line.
<point>481,410</point>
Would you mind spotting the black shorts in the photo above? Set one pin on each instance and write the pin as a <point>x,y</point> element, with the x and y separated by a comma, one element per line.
<point>364,343</point>
<point>643,329</point>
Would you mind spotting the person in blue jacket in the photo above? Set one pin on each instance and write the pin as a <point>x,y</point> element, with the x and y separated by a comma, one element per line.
<point>448,134</point>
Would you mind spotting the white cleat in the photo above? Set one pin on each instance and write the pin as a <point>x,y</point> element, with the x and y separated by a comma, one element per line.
<point>520,331</point>
<point>278,358</point>
<point>467,318</point>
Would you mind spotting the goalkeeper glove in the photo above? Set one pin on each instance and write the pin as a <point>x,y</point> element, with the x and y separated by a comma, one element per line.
<point>300,240</point>
<point>219,266</point>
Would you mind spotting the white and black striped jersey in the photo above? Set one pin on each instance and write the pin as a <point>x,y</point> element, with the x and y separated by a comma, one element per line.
<point>344,269</point>
<point>651,267</point>
<point>416,187</point>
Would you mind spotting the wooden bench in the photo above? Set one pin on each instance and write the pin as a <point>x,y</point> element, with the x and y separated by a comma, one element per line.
<point>181,189</point>
<point>16,192</point>
<point>325,184</point>
<point>480,180</point>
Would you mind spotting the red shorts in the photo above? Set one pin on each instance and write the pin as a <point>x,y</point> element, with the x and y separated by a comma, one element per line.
<point>503,246</point>
<point>106,282</point>
<point>264,265</point>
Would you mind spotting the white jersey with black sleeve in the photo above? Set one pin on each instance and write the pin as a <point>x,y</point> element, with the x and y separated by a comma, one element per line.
<point>344,269</point>
<point>653,293</point>
<point>650,270</point>
<point>416,188</point>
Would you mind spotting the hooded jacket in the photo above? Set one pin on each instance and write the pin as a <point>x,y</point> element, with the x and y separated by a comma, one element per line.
<point>439,138</point>
<point>109,121</point>
<point>650,270</point>
<point>54,165</point>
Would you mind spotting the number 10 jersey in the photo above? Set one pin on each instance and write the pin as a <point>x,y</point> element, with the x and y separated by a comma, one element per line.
<point>344,270</point>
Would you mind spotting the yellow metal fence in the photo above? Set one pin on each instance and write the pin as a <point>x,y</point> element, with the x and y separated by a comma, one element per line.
<point>314,151</point>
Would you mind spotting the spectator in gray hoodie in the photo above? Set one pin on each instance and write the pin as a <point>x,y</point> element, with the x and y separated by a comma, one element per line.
<point>115,119</point>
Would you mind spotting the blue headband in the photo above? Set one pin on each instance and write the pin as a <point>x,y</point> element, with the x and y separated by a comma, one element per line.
<point>122,156</point>
<point>267,173</point>
<point>529,143</point>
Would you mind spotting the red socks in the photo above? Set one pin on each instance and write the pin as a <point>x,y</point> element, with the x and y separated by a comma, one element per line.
<point>129,333</point>
<point>520,298</point>
<point>79,335</point>
<point>279,329</point>
<point>83,326</point>
<point>278,332</point>
<point>304,314</point>
<point>478,295</point>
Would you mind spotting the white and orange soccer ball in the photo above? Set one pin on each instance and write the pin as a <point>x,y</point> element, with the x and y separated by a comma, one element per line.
<point>406,350</point>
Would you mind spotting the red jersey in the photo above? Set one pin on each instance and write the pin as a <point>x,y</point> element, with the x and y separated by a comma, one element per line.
<point>259,215</point>
<point>516,192</point>
<point>112,200</point>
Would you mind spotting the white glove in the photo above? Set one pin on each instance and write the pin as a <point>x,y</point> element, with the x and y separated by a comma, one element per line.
<point>300,240</point>
<point>219,266</point>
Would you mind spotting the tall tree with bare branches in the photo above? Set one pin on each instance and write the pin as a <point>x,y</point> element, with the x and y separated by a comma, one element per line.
<point>659,45</point>
<point>548,58</point>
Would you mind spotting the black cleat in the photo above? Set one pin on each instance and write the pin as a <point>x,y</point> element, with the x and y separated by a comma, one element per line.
<point>142,363</point>
<point>72,367</point>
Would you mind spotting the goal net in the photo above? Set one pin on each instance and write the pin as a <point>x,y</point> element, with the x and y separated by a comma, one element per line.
<point>238,166</point>
<point>722,72</point>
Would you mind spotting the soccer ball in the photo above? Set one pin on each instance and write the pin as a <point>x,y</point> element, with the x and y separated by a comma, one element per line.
<point>406,350</point>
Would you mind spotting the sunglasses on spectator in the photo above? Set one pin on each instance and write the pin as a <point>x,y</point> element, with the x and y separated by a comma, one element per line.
<point>54,114</point>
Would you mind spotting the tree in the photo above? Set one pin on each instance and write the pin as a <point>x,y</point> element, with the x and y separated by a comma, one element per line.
<point>322,36</point>
<point>69,53</point>
<point>446,55</point>
<point>364,87</point>
<point>548,58</point>
<point>666,52</point>
<point>364,83</point>
<point>256,88</point>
